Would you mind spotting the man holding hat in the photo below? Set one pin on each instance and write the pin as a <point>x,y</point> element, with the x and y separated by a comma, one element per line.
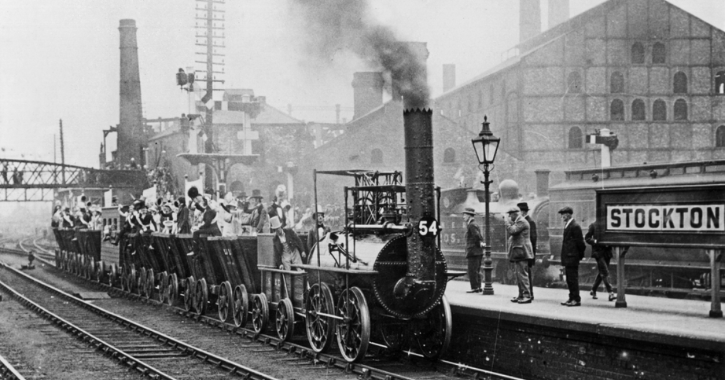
<point>322,229</point>
<point>524,207</point>
<point>474,250</point>
<point>520,252</point>
<point>572,251</point>
<point>288,248</point>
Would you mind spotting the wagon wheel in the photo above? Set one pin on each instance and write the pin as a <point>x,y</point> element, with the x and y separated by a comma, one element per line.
<point>131,280</point>
<point>320,328</point>
<point>163,287</point>
<point>353,333</point>
<point>395,334</point>
<point>241,306</point>
<point>202,297</point>
<point>141,283</point>
<point>82,263</point>
<point>173,290</point>
<point>189,293</point>
<point>99,272</point>
<point>71,263</point>
<point>90,265</point>
<point>285,321</point>
<point>150,283</point>
<point>112,275</point>
<point>224,301</point>
<point>260,312</point>
<point>434,332</point>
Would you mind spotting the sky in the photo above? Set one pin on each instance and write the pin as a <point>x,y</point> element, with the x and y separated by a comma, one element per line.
<point>60,59</point>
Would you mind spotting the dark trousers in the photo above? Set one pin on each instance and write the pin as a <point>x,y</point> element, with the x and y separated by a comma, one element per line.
<point>572,282</point>
<point>603,275</point>
<point>531,277</point>
<point>474,271</point>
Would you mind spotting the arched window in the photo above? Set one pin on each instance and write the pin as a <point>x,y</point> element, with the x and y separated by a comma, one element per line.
<point>659,110</point>
<point>616,110</point>
<point>720,82</point>
<point>575,138</point>
<point>490,94</point>
<point>637,53</point>
<point>574,82</point>
<point>680,109</point>
<point>720,136</point>
<point>480,99</point>
<point>449,156</point>
<point>680,83</point>
<point>616,83</point>
<point>236,188</point>
<point>658,52</point>
<point>376,156</point>
<point>638,110</point>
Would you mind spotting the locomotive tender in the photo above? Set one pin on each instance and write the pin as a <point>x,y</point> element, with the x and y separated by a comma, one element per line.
<point>383,276</point>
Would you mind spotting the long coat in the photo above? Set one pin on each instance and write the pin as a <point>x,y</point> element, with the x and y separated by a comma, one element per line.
<point>519,239</point>
<point>473,240</point>
<point>572,245</point>
<point>532,232</point>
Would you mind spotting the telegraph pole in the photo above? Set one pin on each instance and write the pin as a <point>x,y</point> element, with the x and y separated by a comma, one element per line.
<point>62,151</point>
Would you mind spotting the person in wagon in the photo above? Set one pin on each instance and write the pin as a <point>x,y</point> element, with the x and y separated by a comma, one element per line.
<point>322,229</point>
<point>288,247</point>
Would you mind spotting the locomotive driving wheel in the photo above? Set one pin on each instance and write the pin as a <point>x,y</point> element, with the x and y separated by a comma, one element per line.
<point>202,297</point>
<point>172,290</point>
<point>353,332</point>
<point>163,287</point>
<point>285,321</point>
<point>434,332</point>
<point>319,307</point>
<point>260,312</point>
<point>241,305</point>
<point>224,301</point>
<point>141,283</point>
<point>395,334</point>
<point>150,283</point>
<point>189,293</point>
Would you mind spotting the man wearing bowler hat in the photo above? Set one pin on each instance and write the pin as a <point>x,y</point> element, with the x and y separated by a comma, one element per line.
<point>474,250</point>
<point>572,251</point>
<point>519,252</point>
<point>524,207</point>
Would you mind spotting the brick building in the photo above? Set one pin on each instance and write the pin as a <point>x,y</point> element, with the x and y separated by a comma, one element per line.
<point>646,69</point>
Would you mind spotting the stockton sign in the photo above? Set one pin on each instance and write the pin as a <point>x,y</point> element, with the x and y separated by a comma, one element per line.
<point>670,216</point>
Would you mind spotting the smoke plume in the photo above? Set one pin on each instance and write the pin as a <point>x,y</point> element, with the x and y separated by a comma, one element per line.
<point>333,25</point>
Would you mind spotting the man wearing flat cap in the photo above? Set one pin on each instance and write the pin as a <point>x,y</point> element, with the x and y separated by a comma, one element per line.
<point>572,251</point>
<point>520,252</point>
<point>474,250</point>
<point>524,207</point>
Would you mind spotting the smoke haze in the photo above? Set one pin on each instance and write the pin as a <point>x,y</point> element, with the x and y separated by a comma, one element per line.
<point>331,26</point>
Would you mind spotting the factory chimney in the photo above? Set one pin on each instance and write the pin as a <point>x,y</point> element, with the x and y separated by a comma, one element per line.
<point>449,76</point>
<point>558,12</point>
<point>529,19</point>
<point>368,87</point>
<point>130,128</point>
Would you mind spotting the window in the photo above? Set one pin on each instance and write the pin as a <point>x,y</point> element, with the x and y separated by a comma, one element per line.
<point>659,110</point>
<point>616,83</point>
<point>616,110</point>
<point>503,90</point>
<point>480,99</point>
<point>658,52</point>
<point>637,53</point>
<point>720,136</point>
<point>575,138</point>
<point>680,83</point>
<point>638,110</point>
<point>720,82</point>
<point>490,94</point>
<point>680,109</point>
<point>376,156</point>
<point>574,82</point>
<point>449,156</point>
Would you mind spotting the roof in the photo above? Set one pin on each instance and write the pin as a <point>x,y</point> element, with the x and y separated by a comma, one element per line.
<point>268,116</point>
<point>213,158</point>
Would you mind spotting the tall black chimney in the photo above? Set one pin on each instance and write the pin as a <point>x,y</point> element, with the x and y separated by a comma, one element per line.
<point>130,128</point>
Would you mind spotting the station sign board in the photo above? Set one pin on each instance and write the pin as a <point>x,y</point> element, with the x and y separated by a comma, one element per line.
<point>690,216</point>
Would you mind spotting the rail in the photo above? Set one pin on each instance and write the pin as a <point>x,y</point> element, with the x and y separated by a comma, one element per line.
<point>7,371</point>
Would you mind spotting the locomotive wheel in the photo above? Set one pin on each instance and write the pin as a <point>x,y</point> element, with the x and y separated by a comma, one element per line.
<point>395,334</point>
<point>260,312</point>
<point>320,328</point>
<point>163,287</point>
<point>202,297</point>
<point>189,293</point>
<point>99,272</point>
<point>173,290</point>
<point>241,306</point>
<point>353,333</point>
<point>150,283</point>
<point>141,283</point>
<point>434,333</point>
<point>285,321</point>
<point>224,301</point>
<point>112,275</point>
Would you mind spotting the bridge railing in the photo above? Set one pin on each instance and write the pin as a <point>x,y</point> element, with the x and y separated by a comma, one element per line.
<point>43,175</point>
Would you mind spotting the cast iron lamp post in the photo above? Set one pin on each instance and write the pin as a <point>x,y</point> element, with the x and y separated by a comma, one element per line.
<point>486,145</point>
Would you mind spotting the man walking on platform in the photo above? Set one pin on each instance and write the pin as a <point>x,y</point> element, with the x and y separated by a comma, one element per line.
<point>524,207</point>
<point>602,254</point>
<point>572,251</point>
<point>519,252</point>
<point>474,250</point>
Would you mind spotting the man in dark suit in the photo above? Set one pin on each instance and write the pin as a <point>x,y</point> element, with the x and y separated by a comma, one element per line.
<point>603,255</point>
<point>572,251</point>
<point>524,207</point>
<point>474,250</point>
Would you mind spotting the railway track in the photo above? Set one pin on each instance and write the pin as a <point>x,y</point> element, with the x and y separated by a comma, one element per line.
<point>7,371</point>
<point>408,365</point>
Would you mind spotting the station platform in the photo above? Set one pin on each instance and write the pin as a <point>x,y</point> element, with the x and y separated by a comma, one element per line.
<point>653,337</point>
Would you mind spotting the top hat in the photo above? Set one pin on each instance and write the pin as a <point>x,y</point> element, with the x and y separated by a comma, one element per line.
<point>257,194</point>
<point>566,210</point>
<point>274,223</point>
<point>193,192</point>
<point>242,195</point>
<point>523,206</point>
<point>319,211</point>
<point>470,211</point>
